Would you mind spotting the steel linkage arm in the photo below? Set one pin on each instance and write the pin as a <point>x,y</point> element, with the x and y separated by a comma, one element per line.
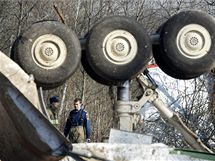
<point>128,110</point>
<point>172,118</point>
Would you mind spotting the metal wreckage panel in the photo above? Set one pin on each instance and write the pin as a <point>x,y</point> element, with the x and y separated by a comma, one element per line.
<point>136,152</point>
<point>25,134</point>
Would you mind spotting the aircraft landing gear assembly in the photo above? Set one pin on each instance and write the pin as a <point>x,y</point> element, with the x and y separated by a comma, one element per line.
<point>116,50</point>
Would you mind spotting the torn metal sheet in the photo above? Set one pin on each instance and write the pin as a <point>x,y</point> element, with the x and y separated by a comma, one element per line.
<point>25,134</point>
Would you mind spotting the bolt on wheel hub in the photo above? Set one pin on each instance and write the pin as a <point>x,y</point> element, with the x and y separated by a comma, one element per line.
<point>119,47</point>
<point>49,52</point>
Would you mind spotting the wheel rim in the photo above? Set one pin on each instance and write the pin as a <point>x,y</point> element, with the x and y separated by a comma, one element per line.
<point>120,47</point>
<point>194,41</point>
<point>49,51</point>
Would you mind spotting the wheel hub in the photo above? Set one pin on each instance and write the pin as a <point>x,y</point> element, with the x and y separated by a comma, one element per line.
<point>119,47</point>
<point>49,51</point>
<point>193,41</point>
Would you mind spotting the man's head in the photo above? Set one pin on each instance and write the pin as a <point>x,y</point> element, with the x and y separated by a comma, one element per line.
<point>77,103</point>
<point>54,100</point>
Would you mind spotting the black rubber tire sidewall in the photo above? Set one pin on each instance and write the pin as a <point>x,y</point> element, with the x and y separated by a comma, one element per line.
<point>172,72</point>
<point>101,65</point>
<point>92,73</point>
<point>50,78</point>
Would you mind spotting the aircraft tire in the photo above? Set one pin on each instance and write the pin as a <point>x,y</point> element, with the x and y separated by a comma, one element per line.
<point>118,48</point>
<point>187,44</point>
<point>50,51</point>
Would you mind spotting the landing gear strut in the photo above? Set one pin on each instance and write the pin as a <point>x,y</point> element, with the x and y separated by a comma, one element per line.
<point>128,110</point>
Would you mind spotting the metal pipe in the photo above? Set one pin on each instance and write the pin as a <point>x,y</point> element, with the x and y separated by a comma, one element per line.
<point>123,91</point>
<point>155,39</point>
<point>125,118</point>
<point>191,138</point>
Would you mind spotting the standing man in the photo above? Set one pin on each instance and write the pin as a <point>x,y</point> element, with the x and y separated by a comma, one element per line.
<point>78,124</point>
<point>53,110</point>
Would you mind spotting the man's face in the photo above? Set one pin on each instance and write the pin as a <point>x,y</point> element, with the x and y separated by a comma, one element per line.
<point>77,105</point>
<point>56,104</point>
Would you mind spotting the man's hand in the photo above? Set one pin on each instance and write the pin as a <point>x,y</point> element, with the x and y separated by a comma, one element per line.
<point>88,140</point>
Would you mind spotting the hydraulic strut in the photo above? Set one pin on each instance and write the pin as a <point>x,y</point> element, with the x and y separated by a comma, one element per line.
<point>128,110</point>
